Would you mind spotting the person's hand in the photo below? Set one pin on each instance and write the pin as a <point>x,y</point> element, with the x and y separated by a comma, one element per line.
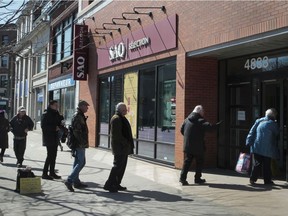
<point>57,128</point>
<point>26,130</point>
<point>220,122</point>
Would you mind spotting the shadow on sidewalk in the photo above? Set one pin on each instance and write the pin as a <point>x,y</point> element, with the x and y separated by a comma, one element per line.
<point>143,195</point>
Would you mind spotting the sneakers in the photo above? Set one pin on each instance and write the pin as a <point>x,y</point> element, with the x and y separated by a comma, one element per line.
<point>80,185</point>
<point>184,182</point>
<point>252,182</point>
<point>54,176</point>
<point>199,181</point>
<point>69,186</point>
<point>19,165</point>
<point>47,177</point>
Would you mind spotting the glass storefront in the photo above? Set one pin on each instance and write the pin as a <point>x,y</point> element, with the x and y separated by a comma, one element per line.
<point>248,87</point>
<point>64,92</point>
<point>150,95</point>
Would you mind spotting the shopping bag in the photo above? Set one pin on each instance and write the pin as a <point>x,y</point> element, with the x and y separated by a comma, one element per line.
<point>243,163</point>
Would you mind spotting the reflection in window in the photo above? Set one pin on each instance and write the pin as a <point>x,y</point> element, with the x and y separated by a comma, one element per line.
<point>146,129</point>
<point>116,91</point>
<point>67,103</point>
<point>166,116</point>
<point>104,105</point>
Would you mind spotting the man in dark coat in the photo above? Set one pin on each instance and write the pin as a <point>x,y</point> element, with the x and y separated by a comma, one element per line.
<point>50,124</point>
<point>122,146</point>
<point>80,133</point>
<point>193,129</point>
<point>4,129</point>
<point>20,125</point>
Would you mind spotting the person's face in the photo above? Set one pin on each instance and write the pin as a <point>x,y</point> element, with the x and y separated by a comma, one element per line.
<point>123,110</point>
<point>54,106</point>
<point>22,113</point>
<point>84,108</point>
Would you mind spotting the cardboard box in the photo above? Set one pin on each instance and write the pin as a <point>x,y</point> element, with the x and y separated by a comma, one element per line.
<point>30,185</point>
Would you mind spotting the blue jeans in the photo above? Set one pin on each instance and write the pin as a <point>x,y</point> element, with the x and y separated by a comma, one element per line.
<point>79,163</point>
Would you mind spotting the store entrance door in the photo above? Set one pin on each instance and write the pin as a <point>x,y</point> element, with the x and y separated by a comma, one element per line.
<point>275,95</point>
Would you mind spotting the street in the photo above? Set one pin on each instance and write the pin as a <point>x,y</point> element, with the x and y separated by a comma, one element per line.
<point>152,189</point>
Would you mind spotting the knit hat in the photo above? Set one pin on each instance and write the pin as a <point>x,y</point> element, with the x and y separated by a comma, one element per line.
<point>21,109</point>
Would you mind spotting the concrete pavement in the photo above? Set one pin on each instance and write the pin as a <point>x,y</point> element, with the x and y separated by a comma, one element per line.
<point>152,189</point>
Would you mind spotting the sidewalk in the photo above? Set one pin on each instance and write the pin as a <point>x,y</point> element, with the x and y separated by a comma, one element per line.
<point>152,189</point>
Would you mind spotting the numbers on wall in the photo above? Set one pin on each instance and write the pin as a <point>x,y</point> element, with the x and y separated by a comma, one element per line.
<point>257,63</point>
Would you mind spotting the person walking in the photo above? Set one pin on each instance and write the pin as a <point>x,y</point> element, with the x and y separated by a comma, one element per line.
<point>263,141</point>
<point>122,146</point>
<point>4,129</point>
<point>80,133</point>
<point>193,129</point>
<point>50,124</point>
<point>20,125</point>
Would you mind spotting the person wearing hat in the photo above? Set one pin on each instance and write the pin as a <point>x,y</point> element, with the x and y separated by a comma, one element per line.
<point>20,125</point>
<point>80,133</point>
<point>4,129</point>
<point>50,124</point>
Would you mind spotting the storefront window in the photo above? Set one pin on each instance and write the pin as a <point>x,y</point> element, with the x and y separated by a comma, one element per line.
<point>166,116</point>
<point>116,91</point>
<point>146,129</point>
<point>104,105</point>
<point>68,103</point>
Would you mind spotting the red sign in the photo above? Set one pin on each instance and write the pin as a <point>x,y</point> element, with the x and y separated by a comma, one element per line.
<point>80,53</point>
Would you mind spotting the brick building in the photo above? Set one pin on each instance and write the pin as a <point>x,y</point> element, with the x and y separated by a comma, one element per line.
<point>164,57</point>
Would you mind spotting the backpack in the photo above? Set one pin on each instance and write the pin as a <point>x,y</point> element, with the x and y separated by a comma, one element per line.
<point>70,138</point>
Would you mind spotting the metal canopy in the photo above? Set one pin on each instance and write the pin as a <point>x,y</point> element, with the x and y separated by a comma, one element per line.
<point>254,44</point>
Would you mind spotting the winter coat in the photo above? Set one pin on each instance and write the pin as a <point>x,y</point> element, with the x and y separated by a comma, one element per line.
<point>80,130</point>
<point>50,120</point>
<point>121,135</point>
<point>19,125</point>
<point>193,129</point>
<point>263,138</point>
<point>4,129</point>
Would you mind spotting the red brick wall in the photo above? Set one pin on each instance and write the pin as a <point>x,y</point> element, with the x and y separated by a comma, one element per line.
<point>201,24</point>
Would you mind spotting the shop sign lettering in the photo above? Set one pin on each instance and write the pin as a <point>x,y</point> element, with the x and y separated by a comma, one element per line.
<point>143,42</point>
<point>117,52</point>
<point>257,63</point>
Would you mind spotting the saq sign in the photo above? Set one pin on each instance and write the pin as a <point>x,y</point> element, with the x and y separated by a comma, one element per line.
<point>80,54</point>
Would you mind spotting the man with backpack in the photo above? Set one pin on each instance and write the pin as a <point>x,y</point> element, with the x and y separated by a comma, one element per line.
<point>80,143</point>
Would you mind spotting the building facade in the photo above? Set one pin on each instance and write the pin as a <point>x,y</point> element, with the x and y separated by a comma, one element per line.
<point>61,85</point>
<point>32,50</point>
<point>7,67</point>
<point>164,57</point>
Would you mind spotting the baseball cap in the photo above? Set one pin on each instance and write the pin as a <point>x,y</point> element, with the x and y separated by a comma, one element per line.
<point>21,109</point>
<point>83,103</point>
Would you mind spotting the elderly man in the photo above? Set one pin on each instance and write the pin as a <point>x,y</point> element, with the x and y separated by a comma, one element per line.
<point>263,142</point>
<point>122,146</point>
<point>193,129</point>
<point>80,133</point>
<point>20,125</point>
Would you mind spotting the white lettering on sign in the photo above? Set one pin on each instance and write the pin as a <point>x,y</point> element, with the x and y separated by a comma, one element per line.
<point>256,63</point>
<point>139,43</point>
<point>117,52</point>
<point>80,67</point>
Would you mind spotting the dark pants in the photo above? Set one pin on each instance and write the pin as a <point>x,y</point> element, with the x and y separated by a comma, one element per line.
<point>259,162</point>
<point>2,152</point>
<point>117,171</point>
<point>188,158</point>
<point>19,149</point>
<point>50,159</point>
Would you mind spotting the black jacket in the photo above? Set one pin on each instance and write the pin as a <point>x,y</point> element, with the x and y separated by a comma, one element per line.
<point>18,125</point>
<point>80,130</point>
<point>49,121</point>
<point>121,135</point>
<point>4,129</point>
<point>193,129</point>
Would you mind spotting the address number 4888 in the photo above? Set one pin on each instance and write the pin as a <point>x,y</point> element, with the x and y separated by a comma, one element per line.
<point>253,63</point>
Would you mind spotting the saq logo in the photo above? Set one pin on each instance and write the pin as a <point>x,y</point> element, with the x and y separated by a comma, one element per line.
<point>117,52</point>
